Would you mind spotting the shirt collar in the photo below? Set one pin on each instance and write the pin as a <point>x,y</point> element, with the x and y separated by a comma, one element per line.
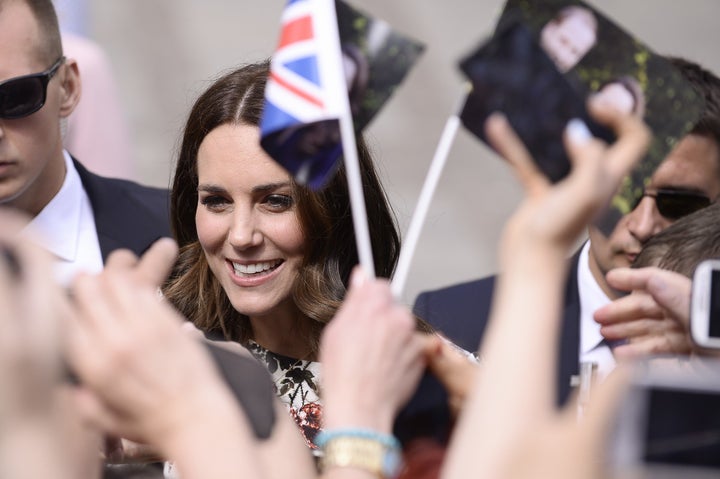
<point>56,227</point>
<point>592,297</point>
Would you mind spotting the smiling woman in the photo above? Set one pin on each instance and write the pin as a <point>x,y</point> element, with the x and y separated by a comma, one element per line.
<point>248,227</point>
<point>264,261</point>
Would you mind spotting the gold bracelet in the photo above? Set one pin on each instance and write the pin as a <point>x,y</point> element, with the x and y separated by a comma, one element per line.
<point>361,453</point>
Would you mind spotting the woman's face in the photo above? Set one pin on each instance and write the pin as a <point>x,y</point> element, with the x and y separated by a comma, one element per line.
<point>247,221</point>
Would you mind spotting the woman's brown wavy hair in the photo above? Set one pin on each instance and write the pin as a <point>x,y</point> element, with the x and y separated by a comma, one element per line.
<point>325,218</point>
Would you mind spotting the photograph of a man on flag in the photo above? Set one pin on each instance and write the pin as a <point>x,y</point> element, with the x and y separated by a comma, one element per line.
<point>307,123</point>
<point>329,55</point>
<point>670,105</point>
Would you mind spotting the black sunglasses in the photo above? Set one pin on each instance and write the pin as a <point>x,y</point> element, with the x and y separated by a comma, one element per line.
<point>24,95</point>
<point>674,204</point>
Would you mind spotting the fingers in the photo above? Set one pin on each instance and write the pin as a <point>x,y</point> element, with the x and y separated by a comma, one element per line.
<point>158,260</point>
<point>502,137</point>
<point>121,259</point>
<point>150,269</point>
<point>94,303</point>
<point>633,137</point>
<point>671,342</point>
<point>365,298</point>
<point>580,144</point>
<point>450,366</point>
<point>672,291</point>
<point>357,277</point>
<point>628,279</point>
<point>669,289</point>
<point>456,373</point>
<point>639,327</point>
<point>373,336</point>
<point>94,412</point>
<point>629,308</point>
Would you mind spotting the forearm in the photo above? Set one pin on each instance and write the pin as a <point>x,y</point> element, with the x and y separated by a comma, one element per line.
<point>217,444</point>
<point>35,449</point>
<point>523,327</point>
<point>524,323</point>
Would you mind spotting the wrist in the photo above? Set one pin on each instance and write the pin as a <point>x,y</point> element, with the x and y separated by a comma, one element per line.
<point>362,449</point>
<point>181,425</point>
<point>356,417</point>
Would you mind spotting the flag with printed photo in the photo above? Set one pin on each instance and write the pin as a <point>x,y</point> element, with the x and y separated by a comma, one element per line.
<point>306,96</point>
<point>598,56</point>
<point>375,59</point>
<point>332,64</point>
<point>511,74</point>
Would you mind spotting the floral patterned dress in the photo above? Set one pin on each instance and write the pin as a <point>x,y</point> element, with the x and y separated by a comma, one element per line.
<point>297,384</point>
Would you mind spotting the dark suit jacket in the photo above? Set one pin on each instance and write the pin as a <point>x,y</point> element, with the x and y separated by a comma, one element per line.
<point>127,214</point>
<point>461,313</point>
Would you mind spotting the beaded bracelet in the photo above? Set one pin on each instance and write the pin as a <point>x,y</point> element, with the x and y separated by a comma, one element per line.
<point>386,440</point>
<point>364,449</point>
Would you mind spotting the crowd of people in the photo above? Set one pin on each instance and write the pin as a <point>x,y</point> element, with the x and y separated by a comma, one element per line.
<point>223,328</point>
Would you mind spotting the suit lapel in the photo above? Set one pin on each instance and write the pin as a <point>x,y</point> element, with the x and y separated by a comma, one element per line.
<point>568,363</point>
<point>121,221</point>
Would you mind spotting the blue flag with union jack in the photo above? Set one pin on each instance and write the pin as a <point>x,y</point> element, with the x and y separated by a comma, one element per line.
<point>328,67</point>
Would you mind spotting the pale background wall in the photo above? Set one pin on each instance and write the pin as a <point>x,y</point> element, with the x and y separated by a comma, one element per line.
<point>166,51</point>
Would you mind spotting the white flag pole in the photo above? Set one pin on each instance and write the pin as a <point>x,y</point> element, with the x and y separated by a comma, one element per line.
<point>428,190</point>
<point>338,83</point>
<point>357,197</point>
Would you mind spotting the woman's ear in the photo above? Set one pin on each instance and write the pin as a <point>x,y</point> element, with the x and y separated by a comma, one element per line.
<point>70,87</point>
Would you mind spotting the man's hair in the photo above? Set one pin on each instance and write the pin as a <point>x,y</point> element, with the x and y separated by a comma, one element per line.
<point>47,20</point>
<point>684,244</point>
<point>708,86</point>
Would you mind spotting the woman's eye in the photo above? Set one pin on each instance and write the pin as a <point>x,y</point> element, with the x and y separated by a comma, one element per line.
<point>279,202</point>
<point>213,202</point>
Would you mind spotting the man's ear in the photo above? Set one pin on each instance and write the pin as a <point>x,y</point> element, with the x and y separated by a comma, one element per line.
<point>70,87</point>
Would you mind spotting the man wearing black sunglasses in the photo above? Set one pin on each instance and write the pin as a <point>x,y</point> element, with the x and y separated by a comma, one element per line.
<point>687,180</point>
<point>81,217</point>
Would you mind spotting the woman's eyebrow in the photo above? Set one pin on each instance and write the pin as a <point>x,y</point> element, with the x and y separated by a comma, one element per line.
<point>270,187</point>
<point>209,188</point>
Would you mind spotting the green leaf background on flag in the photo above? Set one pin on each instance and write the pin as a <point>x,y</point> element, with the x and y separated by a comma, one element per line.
<point>672,106</point>
<point>380,57</point>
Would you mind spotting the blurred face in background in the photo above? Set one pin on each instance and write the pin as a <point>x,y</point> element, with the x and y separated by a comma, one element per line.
<point>569,36</point>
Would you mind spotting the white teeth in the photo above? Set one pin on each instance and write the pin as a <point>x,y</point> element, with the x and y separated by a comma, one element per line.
<point>255,267</point>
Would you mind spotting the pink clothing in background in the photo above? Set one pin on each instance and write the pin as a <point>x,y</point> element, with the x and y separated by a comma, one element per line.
<point>97,131</point>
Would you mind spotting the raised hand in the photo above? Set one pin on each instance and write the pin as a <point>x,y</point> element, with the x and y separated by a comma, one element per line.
<point>655,318</point>
<point>513,395</point>
<point>372,357</point>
